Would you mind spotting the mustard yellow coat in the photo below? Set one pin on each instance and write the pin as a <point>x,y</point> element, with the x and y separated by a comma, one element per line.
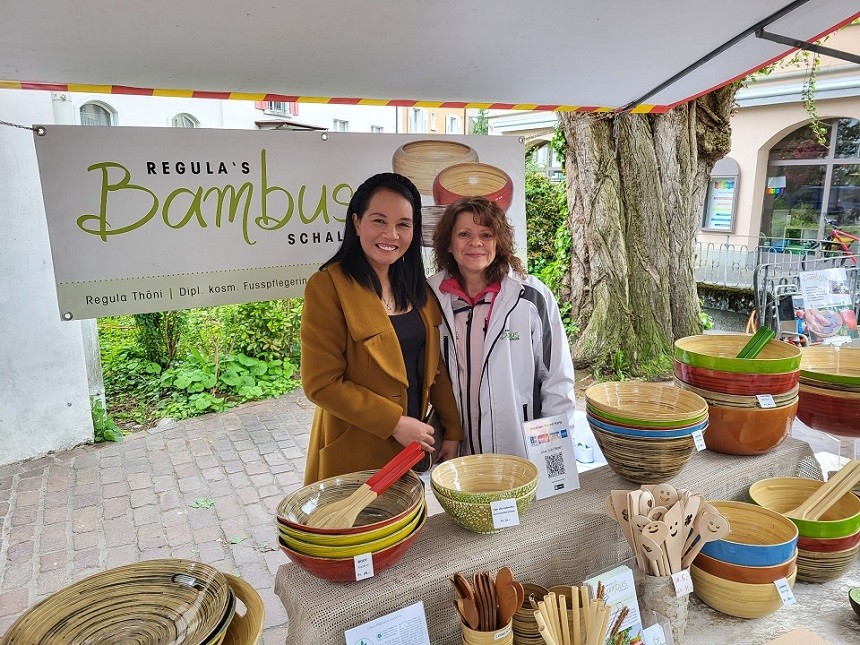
<point>353,370</point>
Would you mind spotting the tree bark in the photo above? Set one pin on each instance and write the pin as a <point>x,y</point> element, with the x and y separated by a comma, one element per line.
<point>636,185</point>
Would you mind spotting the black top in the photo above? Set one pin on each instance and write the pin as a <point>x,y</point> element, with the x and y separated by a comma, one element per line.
<point>412,336</point>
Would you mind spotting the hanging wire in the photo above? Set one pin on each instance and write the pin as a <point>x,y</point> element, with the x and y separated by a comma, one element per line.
<point>38,129</point>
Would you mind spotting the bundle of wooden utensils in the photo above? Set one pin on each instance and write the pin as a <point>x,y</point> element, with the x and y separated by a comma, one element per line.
<point>487,604</point>
<point>665,527</point>
<point>584,622</point>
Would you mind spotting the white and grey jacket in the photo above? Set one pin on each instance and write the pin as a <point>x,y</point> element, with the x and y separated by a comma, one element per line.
<point>527,372</point>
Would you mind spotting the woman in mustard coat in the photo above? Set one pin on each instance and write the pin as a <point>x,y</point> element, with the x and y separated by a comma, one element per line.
<point>370,340</point>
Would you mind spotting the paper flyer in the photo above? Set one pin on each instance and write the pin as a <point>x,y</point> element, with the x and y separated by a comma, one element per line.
<point>549,443</point>
<point>407,626</point>
<point>826,313</point>
<point>620,590</point>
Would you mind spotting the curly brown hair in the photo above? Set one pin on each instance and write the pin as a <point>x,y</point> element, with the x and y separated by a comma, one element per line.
<point>486,213</point>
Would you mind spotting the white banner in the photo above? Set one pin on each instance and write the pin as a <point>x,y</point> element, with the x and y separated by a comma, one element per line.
<point>155,219</point>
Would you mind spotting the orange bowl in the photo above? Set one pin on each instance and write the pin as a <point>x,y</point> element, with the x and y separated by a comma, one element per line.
<point>748,431</point>
<point>746,574</point>
<point>473,180</point>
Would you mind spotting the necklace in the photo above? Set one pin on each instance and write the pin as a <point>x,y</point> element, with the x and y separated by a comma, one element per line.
<point>389,303</point>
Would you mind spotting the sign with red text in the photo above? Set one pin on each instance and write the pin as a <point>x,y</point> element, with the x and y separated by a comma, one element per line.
<point>156,219</point>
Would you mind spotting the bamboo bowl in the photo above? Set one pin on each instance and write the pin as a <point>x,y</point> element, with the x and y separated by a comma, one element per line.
<point>830,410</point>
<point>396,502</point>
<point>821,566</point>
<point>473,180</point>
<point>646,404</point>
<point>747,575</point>
<point>478,517</point>
<point>737,599</point>
<point>157,601</point>
<point>731,383</point>
<point>748,431</point>
<point>719,352</point>
<point>739,400</point>
<point>831,365</point>
<point>484,478</point>
<point>644,460</point>
<point>759,537</point>
<point>782,494</point>
<point>651,433</point>
<point>422,160</point>
<point>246,626</point>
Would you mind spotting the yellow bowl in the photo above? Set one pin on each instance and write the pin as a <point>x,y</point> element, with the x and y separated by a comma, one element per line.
<point>478,517</point>
<point>324,539</point>
<point>739,599</point>
<point>352,550</point>
<point>484,478</point>
<point>642,404</point>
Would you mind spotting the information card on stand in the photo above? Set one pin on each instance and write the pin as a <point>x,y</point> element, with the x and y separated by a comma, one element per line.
<point>407,626</point>
<point>549,442</point>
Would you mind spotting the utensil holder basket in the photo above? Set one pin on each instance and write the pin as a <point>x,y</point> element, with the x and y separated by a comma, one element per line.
<point>658,595</point>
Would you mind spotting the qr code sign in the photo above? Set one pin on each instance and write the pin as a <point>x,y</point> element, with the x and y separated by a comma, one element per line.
<point>554,464</point>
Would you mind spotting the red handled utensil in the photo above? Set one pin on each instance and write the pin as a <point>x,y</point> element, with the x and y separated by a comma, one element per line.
<point>342,513</point>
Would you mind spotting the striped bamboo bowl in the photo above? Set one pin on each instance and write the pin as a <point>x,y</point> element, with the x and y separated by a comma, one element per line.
<point>831,365</point>
<point>644,460</point>
<point>739,599</point>
<point>719,352</point>
<point>823,566</point>
<point>246,626</point>
<point>738,400</point>
<point>154,601</point>
<point>637,401</point>
<point>422,160</point>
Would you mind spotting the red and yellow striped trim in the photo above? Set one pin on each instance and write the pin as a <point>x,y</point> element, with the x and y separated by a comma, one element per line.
<point>243,96</point>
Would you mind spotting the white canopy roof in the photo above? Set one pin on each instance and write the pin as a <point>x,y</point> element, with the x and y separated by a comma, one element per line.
<point>534,53</point>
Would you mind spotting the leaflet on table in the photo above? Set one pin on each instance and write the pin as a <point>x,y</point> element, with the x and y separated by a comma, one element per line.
<point>407,626</point>
<point>620,590</point>
<point>549,443</point>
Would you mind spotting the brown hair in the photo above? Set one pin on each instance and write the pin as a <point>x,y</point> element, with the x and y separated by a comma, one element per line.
<point>486,213</point>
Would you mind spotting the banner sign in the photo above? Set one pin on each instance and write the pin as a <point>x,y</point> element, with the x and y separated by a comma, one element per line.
<point>156,219</point>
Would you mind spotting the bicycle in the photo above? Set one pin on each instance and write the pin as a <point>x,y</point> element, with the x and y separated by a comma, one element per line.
<point>836,245</point>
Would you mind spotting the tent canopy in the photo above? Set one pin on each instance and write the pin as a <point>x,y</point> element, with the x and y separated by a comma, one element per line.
<point>539,54</point>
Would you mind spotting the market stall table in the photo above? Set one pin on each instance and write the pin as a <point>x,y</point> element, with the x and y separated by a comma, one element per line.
<point>561,540</point>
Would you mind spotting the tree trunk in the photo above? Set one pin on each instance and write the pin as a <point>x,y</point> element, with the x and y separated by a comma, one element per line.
<point>636,185</point>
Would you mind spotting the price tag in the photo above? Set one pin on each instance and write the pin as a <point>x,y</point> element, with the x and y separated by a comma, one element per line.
<point>785,591</point>
<point>505,513</point>
<point>683,582</point>
<point>699,440</point>
<point>654,635</point>
<point>363,566</point>
<point>765,400</point>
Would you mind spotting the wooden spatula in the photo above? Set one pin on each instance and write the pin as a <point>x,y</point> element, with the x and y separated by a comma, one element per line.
<point>342,513</point>
<point>821,500</point>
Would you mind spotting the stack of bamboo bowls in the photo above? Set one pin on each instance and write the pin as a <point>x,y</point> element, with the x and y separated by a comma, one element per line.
<point>827,547</point>
<point>154,601</point>
<point>830,390</point>
<point>735,575</point>
<point>386,528</point>
<point>645,430</point>
<point>739,424</point>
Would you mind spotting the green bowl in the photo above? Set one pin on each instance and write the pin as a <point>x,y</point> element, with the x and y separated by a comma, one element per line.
<point>618,419</point>
<point>838,365</point>
<point>478,517</point>
<point>781,494</point>
<point>719,352</point>
<point>484,478</point>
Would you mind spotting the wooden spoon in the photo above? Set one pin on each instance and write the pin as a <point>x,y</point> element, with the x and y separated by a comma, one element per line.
<point>507,596</point>
<point>674,520</point>
<point>828,494</point>
<point>654,535</point>
<point>654,555</point>
<point>342,513</point>
<point>665,495</point>
<point>657,513</point>
<point>710,528</point>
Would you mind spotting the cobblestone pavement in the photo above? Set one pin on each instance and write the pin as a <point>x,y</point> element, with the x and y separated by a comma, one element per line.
<point>203,489</point>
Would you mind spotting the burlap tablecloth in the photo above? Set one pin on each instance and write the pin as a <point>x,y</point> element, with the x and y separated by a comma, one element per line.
<point>560,540</point>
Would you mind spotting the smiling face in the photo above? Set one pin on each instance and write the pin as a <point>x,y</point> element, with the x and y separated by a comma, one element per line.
<point>385,229</point>
<point>472,245</point>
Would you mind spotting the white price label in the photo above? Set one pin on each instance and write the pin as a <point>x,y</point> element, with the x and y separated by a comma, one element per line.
<point>683,582</point>
<point>785,591</point>
<point>699,440</point>
<point>505,513</point>
<point>654,635</point>
<point>765,400</point>
<point>363,566</point>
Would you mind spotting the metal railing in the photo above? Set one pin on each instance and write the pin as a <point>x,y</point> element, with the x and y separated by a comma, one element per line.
<point>730,265</point>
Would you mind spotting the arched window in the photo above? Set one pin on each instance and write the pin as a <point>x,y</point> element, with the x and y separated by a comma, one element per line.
<point>185,121</point>
<point>95,114</point>
<point>811,186</point>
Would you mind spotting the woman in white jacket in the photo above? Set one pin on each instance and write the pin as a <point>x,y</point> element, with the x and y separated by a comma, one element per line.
<point>502,338</point>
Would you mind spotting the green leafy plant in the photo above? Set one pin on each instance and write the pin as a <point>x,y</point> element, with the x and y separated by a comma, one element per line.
<point>104,427</point>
